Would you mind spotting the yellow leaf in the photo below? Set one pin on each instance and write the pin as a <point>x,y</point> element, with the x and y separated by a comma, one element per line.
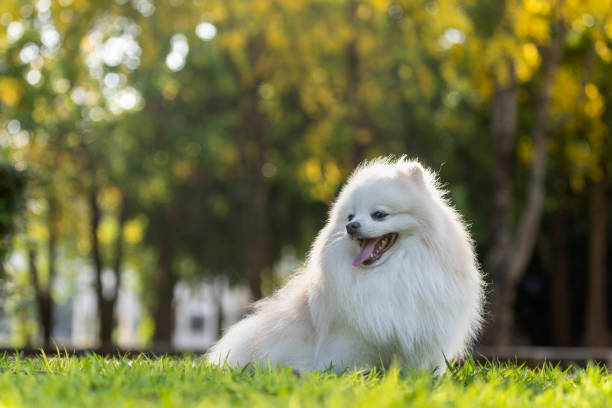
<point>170,89</point>
<point>531,55</point>
<point>364,12</point>
<point>10,91</point>
<point>525,150</point>
<point>565,91</point>
<point>107,231</point>
<point>522,71</point>
<point>219,13</point>
<point>260,7</point>
<point>366,44</point>
<point>133,230</point>
<point>608,29</point>
<point>110,196</point>
<point>502,72</point>
<point>595,104</point>
<point>38,231</point>
<point>537,6</point>
<point>603,51</point>
<point>312,170</point>
<point>539,29</point>
<point>275,37</point>
<point>83,246</point>
<point>591,91</point>
<point>380,5</point>
<point>233,41</point>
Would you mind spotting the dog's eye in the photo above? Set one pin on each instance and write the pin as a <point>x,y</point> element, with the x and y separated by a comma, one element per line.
<point>350,217</point>
<point>378,215</point>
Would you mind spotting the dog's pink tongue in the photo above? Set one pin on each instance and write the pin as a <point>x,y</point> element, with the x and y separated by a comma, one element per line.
<point>366,251</point>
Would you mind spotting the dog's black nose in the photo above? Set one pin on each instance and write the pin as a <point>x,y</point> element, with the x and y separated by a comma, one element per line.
<point>352,227</point>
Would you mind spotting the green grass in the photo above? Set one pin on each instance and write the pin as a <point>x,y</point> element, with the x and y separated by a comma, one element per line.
<point>95,381</point>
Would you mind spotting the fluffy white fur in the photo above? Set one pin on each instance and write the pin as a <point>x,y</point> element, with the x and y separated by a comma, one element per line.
<point>419,303</point>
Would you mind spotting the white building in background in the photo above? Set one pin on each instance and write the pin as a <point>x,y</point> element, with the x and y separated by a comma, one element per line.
<point>84,321</point>
<point>196,307</point>
<point>195,312</point>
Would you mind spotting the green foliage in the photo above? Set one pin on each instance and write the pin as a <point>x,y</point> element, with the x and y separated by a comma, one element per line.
<point>167,381</point>
<point>188,108</point>
<point>332,83</point>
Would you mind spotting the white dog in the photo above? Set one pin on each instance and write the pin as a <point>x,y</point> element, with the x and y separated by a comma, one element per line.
<point>392,275</point>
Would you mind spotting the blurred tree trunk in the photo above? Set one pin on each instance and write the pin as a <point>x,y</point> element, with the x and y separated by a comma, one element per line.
<point>12,186</point>
<point>252,186</point>
<point>163,314</point>
<point>556,255</point>
<point>510,252</point>
<point>503,128</point>
<point>597,300</point>
<point>561,302</point>
<point>108,303</point>
<point>47,316</point>
<point>356,113</point>
<point>219,318</point>
<point>554,262</point>
<point>219,284</point>
<point>96,257</point>
<point>44,299</point>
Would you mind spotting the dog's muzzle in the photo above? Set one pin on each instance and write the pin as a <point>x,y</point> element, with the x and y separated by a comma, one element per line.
<point>353,228</point>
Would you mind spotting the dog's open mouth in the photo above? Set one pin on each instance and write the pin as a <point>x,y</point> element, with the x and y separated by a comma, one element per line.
<point>373,248</point>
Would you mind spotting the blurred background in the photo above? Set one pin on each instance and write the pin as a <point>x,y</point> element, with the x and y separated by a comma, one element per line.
<point>164,163</point>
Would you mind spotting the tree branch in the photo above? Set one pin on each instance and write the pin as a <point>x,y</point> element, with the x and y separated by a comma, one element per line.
<point>529,222</point>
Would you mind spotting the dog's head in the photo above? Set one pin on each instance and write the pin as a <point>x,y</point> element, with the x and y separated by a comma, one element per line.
<point>384,203</point>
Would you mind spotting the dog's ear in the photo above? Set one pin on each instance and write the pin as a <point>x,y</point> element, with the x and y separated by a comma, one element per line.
<point>415,172</point>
